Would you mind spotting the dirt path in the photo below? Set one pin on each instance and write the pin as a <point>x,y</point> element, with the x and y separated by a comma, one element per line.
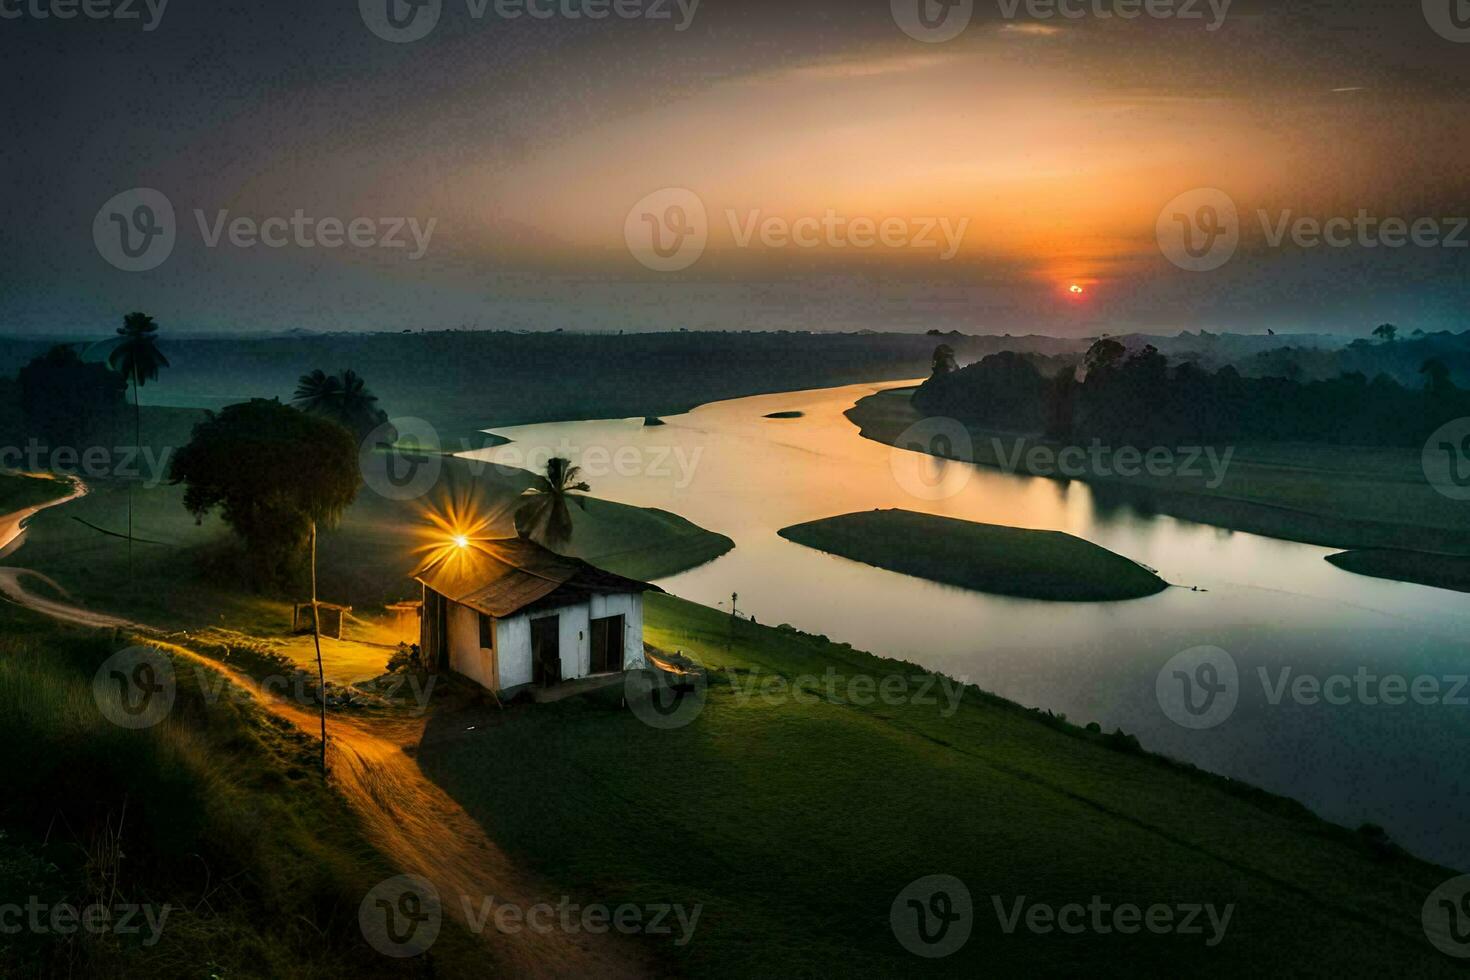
<point>419,827</point>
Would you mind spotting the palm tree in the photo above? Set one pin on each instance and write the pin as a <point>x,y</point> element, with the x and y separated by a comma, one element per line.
<point>317,393</point>
<point>343,397</point>
<point>544,516</point>
<point>137,356</point>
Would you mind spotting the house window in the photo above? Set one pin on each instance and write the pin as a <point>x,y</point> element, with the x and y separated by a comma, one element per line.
<point>487,632</point>
<point>607,645</point>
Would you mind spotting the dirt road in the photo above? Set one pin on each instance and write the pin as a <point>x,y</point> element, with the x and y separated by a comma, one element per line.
<point>405,815</point>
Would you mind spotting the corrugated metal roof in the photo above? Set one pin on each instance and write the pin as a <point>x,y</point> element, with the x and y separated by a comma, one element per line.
<point>501,578</point>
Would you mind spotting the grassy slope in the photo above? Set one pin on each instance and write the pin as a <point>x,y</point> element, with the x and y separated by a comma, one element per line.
<point>796,825</point>
<point>365,562</point>
<point>192,798</point>
<point>1323,495</point>
<point>986,557</point>
<point>19,491</point>
<point>1441,571</point>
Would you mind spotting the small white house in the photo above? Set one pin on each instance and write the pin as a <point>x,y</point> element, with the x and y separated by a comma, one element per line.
<point>509,614</point>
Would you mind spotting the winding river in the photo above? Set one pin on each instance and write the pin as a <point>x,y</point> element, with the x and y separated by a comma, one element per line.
<point>1277,608</point>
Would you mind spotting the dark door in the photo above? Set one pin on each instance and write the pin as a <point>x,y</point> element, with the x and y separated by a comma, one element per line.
<point>607,645</point>
<point>545,651</point>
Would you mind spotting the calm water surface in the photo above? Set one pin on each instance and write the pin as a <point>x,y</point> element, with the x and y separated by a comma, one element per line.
<point>1271,604</point>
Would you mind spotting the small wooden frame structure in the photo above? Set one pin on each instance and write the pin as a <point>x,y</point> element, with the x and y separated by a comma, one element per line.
<point>331,618</point>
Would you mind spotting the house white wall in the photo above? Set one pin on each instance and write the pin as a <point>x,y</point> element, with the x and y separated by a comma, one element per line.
<point>512,654</point>
<point>465,653</point>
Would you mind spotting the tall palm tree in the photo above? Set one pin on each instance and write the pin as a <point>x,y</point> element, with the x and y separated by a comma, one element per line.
<point>137,356</point>
<point>343,397</point>
<point>544,516</point>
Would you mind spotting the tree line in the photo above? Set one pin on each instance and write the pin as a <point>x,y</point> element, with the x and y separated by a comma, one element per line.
<point>1140,397</point>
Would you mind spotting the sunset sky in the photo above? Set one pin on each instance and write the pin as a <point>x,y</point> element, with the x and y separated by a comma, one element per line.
<point>528,142</point>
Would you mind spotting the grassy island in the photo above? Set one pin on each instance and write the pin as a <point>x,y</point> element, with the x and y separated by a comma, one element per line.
<point>1009,561</point>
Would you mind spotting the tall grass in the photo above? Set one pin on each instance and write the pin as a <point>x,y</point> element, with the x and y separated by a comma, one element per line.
<point>214,812</point>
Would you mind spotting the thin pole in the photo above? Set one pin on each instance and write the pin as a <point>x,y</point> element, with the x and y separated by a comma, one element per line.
<point>316,637</point>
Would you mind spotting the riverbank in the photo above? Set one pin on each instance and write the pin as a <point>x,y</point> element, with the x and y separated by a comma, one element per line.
<point>1320,495</point>
<point>838,778</point>
<point>991,558</point>
<point>1417,567</point>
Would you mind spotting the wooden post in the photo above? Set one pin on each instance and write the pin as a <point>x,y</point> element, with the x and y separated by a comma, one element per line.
<point>316,636</point>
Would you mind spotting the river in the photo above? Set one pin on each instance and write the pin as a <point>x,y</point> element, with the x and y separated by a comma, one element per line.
<point>1276,607</point>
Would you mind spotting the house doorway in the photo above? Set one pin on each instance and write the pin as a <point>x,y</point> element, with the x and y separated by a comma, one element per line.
<point>607,645</point>
<point>546,651</point>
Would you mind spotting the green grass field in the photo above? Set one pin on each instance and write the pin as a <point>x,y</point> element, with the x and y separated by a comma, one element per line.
<point>217,813</point>
<point>795,824</point>
<point>986,557</point>
<point>1337,497</point>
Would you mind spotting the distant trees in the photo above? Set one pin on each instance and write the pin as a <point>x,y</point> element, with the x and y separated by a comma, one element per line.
<point>68,401</point>
<point>342,397</point>
<point>1140,400</point>
<point>544,515</point>
<point>1386,332</point>
<point>274,473</point>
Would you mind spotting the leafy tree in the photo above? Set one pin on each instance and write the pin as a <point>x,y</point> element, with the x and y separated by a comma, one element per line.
<point>137,356</point>
<point>544,515</point>
<point>943,362</point>
<point>1386,332</point>
<point>343,397</point>
<point>1437,377</point>
<point>1103,355</point>
<point>273,472</point>
<point>69,401</point>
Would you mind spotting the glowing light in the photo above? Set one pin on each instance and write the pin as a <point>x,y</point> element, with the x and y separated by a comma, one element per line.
<point>1075,289</point>
<point>460,541</point>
